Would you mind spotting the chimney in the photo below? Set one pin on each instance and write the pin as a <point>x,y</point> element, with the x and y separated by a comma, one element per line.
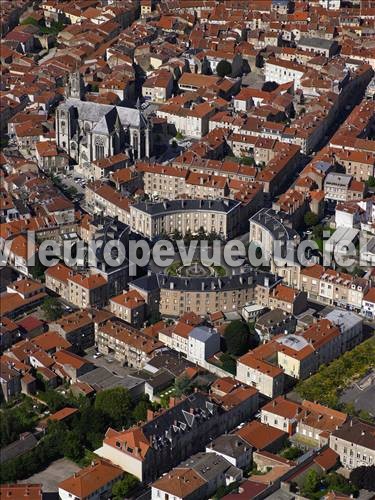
<point>172,402</point>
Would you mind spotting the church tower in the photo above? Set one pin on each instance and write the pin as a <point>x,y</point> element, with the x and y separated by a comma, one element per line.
<point>75,87</point>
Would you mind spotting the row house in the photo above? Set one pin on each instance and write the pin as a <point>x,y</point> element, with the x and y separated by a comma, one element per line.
<point>102,198</point>
<point>333,288</point>
<point>129,346</point>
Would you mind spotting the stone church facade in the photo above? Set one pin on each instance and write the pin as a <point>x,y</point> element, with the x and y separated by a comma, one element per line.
<point>89,131</point>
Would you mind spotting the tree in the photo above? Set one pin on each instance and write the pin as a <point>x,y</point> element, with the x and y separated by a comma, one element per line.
<point>371,181</point>
<point>52,308</point>
<point>292,453</point>
<point>364,477</point>
<point>72,445</point>
<point>336,482</point>
<point>311,483</point>
<point>124,488</point>
<point>237,338</point>
<point>37,271</point>
<point>30,20</point>
<point>247,160</point>
<point>182,386</point>
<point>116,404</point>
<point>224,68</point>
<point>311,219</point>
<point>140,410</point>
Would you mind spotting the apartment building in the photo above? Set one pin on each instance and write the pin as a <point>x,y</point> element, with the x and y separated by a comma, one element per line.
<point>267,378</point>
<point>281,413</point>
<point>358,164</point>
<point>214,216</point>
<point>129,346</point>
<point>342,187</point>
<point>316,422</point>
<point>94,482</point>
<point>77,328</point>
<point>57,279</point>
<point>301,355</point>
<point>350,326</point>
<point>190,121</point>
<point>368,304</point>
<point>282,71</point>
<point>87,291</point>
<point>268,226</point>
<point>355,443</point>
<point>102,198</point>
<point>287,299</point>
<point>175,434</point>
<point>129,306</point>
<point>159,86</point>
<point>180,295</point>
<point>164,181</point>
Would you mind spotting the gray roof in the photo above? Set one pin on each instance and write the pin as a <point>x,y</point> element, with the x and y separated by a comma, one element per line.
<point>162,379</point>
<point>187,414</point>
<point>295,342</point>
<point>152,281</point>
<point>343,319</point>
<point>274,317</point>
<point>170,360</point>
<point>210,466</point>
<point>95,112</point>
<point>230,445</point>
<point>338,179</point>
<point>100,378</point>
<point>358,432</point>
<point>149,283</point>
<point>202,333</point>
<point>275,223</point>
<point>208,284</point>
<point>26,443</point>
<point>320,43</point>
<point>224,205</point>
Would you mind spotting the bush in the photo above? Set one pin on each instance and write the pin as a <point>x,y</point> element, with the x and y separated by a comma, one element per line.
<point>125,487</point>
<point>311,219</point>
<point>228,363</point>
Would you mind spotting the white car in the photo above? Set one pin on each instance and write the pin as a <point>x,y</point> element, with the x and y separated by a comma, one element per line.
<point>97,355</point>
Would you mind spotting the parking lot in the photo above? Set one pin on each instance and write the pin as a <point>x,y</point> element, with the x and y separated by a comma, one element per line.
<point>108,362</point>
<point>55,473</point>
<point>361,394</point>
<point>72,180</point>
